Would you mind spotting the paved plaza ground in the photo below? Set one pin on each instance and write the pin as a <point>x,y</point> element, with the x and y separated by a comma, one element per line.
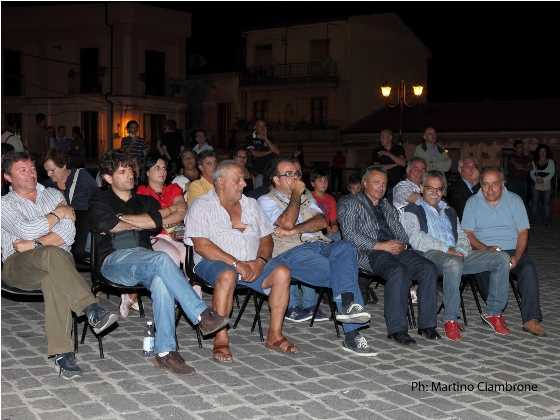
<point>321,381</point>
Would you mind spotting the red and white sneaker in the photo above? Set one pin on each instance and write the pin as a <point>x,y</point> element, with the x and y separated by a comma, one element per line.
<point>452,330</point>
<point>497,322</point>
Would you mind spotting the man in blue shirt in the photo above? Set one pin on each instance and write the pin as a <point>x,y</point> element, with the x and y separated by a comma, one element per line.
<point>496,219</point>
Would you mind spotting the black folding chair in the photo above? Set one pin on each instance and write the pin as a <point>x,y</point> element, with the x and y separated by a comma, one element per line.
<point>36,295</point>
<point>467,280</point>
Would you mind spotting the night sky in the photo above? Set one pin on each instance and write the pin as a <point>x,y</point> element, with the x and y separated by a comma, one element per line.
<point>479,51</point>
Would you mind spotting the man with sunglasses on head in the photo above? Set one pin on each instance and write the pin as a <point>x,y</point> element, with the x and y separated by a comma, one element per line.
<point>433,228</point>
<point>311,257</point>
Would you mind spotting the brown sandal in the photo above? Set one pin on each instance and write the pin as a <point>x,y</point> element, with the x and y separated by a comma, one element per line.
<point>282,345</point>
<point>222,354</point>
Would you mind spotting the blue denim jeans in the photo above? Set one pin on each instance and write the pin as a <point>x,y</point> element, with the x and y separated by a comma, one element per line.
<point>333,265</point>
<point>160,275</point>
<point>304,298</point>
<point>452,268</point>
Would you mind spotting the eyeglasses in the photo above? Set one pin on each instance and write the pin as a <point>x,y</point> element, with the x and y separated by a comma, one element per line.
<point>429,189</point>
<point>291,174</point>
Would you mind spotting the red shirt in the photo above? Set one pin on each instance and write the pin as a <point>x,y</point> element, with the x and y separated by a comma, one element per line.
<point>327,203</point>
<point>168,195</point>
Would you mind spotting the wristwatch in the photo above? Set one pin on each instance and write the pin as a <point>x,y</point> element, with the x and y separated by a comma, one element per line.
<point>36,244</point>
<point>234,263</point>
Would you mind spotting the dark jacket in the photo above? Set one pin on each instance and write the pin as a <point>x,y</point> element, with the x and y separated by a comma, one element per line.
<point>458,194</point>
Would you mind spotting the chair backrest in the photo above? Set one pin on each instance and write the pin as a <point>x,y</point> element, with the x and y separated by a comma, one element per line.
<point>189,265</point>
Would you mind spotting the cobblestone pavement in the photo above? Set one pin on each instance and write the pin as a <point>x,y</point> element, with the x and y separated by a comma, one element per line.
<point>321,381</point>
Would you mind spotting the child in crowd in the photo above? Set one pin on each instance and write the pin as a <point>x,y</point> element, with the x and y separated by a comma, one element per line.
<point>327,203</point>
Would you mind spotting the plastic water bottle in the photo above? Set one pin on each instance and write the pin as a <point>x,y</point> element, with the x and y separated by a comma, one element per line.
<point>149,339</point>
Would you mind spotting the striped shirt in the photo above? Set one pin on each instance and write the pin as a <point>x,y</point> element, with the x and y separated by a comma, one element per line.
<point>134,147</point>
<point>207,218</point>
<point>25,219</point>
<point>402,191</point>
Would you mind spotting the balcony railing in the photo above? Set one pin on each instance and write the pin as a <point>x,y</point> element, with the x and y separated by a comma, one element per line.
<point>323,71</point>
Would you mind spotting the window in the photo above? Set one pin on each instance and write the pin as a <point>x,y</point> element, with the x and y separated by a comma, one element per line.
<point>89,70</point>
<point>11,73</point>
<point>319,49</point>
<point>319,111</point>
<point>263,55</point>
<point>260,109</point>
<point>154,76</point>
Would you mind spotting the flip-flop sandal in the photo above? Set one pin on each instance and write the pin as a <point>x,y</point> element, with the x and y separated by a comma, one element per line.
<point>280,346</point>
<point>223,351</point>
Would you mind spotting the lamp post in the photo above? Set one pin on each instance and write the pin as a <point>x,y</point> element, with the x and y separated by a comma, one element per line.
<point>402,101</point>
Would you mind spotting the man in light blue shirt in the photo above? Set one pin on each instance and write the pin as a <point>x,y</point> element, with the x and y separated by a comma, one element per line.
<point>495,218</point>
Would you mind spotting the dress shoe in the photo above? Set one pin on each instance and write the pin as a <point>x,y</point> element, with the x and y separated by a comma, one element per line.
<point>430,333</point>
<point>174,363</point>
<point>402,337</point>
<point>534,327</point>
<point>211,322</point>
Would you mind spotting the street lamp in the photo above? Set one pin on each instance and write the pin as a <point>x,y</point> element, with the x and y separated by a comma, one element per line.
<point>402,101</point>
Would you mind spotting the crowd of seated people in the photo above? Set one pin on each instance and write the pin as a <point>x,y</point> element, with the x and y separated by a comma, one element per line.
<point>266,230</point>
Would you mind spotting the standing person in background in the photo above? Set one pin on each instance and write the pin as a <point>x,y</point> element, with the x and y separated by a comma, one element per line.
<point>201,142</point>
<point>37,142</point>
<point>434,154</point>
<point>11,137</point>
<point>134,146</point>
<point>338,165</point>
<point>262,151</point>
<point>542,173</point>
<point>61,141</point>
<point>51,136</point>
<point>391,157</point>
<point>77,148</point>
<point>518,171</point>
<point>170,145</point>
<point>241,157</point>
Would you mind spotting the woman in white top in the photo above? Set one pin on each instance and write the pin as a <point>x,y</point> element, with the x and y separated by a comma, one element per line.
<point>542,172</point>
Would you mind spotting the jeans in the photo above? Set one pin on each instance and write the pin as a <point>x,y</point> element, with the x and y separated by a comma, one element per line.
<point>306,298</point>
<point>543,209</point>
<point>398,271</point>
<point>452,267</point>
<point>158,273</point>
<point>333,265</point>
<point>528,284</point>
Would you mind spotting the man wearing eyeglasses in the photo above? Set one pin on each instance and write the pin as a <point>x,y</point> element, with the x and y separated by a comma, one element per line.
<point>495,218</point>
<point>311,257</point>
<point>433,228</point>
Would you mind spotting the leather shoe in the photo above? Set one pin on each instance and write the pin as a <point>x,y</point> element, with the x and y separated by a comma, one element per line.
<point>534,327</point>
<point>429,333</point>
<point>173,362</point>
<point>211,322</point>
<point>402,337</point>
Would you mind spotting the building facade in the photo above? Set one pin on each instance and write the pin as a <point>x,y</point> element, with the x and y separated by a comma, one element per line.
<point>96,66</point>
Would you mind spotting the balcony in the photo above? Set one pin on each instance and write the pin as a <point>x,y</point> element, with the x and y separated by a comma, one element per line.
<point>282,74</point>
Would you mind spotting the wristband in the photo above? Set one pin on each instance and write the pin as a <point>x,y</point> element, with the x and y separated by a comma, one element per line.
<point>262,258</point>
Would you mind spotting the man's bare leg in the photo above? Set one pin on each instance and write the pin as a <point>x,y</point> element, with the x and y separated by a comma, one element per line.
<point>222,301</point>
<point>279,283</point>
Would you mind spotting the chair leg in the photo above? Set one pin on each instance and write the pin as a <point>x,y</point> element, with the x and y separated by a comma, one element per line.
<point>236,302</point>
<point>84,332</point>
<point>178,313</point>
<point>515,292</point>
<point>333,311</point>
<point>320,296</point>
<point>474,289</point>
<point>75,331</point>
<point>100,344</point>
<point>242,310</point>
<point>257,320</point>
<point>461,289</point>
<point>141,306</point>
<point>198,336</point>
<point>412,317</point>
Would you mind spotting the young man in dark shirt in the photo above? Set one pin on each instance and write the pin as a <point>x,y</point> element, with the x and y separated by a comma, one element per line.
<point>124,222</point>
<point>392,158</point>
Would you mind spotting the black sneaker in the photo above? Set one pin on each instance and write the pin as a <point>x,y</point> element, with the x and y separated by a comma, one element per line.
<point>358,345</point>
<point>320,316</point>
<point>99,318</point>
<point>354,313</point>
<point>66,365</point>
<point>298,314</point>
